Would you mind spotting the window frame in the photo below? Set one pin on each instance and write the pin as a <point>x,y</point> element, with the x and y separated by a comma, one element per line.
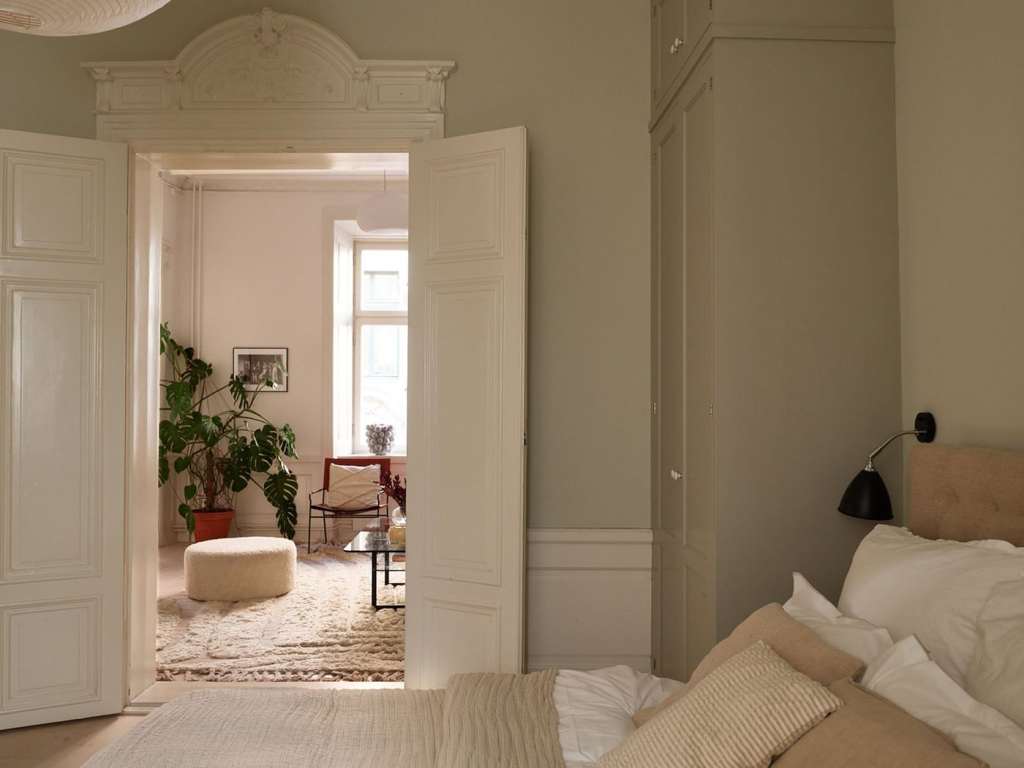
<point>360,318</point>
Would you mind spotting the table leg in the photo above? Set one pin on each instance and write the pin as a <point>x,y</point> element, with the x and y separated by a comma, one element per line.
<point>373,581</point>
<point>387,567</point>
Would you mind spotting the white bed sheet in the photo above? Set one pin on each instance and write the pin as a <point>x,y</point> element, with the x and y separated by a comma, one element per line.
<point>596,708</point>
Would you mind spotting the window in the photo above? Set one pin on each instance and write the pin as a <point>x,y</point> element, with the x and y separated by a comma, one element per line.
<point>380,344</point>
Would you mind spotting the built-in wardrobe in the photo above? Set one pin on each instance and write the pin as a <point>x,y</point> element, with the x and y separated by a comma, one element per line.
<point>775,294</point>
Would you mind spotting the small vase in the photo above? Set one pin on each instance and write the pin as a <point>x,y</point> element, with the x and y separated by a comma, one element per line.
<point>379,438</point>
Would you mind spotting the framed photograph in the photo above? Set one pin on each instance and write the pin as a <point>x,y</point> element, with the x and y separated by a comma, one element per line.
<point>255,366</point>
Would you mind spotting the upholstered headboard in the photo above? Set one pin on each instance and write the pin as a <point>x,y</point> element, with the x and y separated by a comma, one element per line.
<point>966,493</point>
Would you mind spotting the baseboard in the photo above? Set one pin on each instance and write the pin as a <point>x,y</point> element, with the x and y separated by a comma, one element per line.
<point>579,661</point>
<point>588,598</point>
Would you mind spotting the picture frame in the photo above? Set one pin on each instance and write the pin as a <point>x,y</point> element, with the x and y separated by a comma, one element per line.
<point>254,365</point>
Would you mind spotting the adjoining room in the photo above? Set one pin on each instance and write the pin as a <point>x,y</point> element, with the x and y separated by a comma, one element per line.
<point>288,276</point>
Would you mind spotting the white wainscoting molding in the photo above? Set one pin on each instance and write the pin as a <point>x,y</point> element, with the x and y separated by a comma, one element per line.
<point>588,598</point>
<point>588,591</point>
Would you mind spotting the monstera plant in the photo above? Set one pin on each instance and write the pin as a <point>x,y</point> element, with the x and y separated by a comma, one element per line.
<point>213,439</point>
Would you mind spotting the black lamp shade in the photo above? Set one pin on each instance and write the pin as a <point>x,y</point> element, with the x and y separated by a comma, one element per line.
<point>866,497</point>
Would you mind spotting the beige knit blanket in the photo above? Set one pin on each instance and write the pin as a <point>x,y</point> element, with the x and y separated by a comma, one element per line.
<point>497,721</point>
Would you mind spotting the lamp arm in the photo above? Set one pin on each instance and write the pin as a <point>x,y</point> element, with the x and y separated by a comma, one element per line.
<point>870,467</point>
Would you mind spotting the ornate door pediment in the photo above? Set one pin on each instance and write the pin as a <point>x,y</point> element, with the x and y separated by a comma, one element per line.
<point>268,82</point>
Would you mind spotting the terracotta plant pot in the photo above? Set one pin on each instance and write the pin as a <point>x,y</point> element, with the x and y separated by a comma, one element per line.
<point>213,524</point>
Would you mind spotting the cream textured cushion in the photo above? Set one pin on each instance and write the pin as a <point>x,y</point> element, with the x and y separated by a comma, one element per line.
<point>747,711</point>
<point>870,732</point>
<point>909,679</point>
<point>794,642</point>
<point>240,569</point>
<point>798,645</point>
<point>353,488</point>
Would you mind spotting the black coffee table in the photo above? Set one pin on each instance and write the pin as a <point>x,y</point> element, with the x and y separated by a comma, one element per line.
<point>374,544</point>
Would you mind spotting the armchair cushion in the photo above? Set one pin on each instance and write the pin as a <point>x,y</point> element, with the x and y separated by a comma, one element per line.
<point>353,488</point>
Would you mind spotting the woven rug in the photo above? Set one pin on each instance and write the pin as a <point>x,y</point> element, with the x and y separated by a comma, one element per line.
<point>323,630</point>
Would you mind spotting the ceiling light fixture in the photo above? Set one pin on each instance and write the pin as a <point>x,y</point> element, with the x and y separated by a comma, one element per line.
<point>72,17</point>
<point>386,212</point>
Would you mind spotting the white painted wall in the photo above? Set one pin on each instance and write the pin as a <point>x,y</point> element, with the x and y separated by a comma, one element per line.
<point>175,305</point>
<point>253,269</point>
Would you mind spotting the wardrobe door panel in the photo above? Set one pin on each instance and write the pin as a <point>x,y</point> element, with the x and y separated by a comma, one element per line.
<point>699,509</point>
<point>668,267</point>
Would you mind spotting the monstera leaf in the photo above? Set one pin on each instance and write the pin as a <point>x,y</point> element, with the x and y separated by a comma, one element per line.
<point>280,488</point>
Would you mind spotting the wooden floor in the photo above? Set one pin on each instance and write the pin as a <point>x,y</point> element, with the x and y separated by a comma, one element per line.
<point>63,745</point>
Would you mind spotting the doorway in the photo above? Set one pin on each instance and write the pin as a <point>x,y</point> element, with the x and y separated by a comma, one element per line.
<point>234,89</point>
<point>265,263</point>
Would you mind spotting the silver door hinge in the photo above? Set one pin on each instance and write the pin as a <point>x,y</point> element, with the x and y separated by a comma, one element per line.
<point>524,439</point>
<point>711,409</point>
<point>654,408</point>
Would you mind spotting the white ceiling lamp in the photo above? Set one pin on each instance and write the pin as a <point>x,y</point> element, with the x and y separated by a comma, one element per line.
<point>72,17</point>
<point>385,213</point>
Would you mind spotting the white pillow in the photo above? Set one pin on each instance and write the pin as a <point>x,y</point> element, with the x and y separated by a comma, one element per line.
<point>596,708</point>
<point>908,678</point>
<point>353,488</point>
<point>932,589</point>
<point>855,636</point>
<point>996,673</point>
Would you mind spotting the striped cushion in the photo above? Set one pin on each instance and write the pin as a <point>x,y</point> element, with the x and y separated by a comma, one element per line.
<point>747,711</point>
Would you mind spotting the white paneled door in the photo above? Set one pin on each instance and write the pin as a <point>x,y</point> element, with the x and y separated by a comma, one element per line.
<point>63,265</point>
<point>467,406</point>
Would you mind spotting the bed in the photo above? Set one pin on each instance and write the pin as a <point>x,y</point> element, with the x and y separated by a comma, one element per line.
<point>573,718</point>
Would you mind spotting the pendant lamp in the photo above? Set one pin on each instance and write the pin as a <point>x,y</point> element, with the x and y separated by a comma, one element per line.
<point>72,17</point>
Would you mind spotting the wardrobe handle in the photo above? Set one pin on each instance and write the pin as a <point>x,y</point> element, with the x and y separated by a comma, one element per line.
<point>675,475</point>
<point>676,45</point>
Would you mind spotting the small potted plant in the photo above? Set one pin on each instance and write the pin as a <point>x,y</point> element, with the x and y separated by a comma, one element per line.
<point>215,440</point>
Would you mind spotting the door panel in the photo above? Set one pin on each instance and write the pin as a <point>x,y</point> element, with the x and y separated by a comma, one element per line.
<point>467,406</point>
<point>684,430</point>
<point>699,529</point>
<point>63,266</point>
<point>670,620</point>
<point>50,322</point>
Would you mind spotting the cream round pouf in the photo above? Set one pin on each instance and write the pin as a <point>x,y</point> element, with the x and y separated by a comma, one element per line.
<point>245,568</point>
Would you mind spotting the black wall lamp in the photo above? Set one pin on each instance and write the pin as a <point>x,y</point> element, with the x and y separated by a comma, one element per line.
<point>866,496</point>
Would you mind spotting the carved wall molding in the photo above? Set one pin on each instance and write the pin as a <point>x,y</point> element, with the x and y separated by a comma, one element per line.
<point>269,82</point>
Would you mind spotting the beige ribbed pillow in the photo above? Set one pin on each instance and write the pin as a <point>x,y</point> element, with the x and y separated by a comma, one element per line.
<point>747,711</point>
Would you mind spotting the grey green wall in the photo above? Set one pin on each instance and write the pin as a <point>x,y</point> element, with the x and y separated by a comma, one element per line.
<point>960,134</point>
<point>575,72</point>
